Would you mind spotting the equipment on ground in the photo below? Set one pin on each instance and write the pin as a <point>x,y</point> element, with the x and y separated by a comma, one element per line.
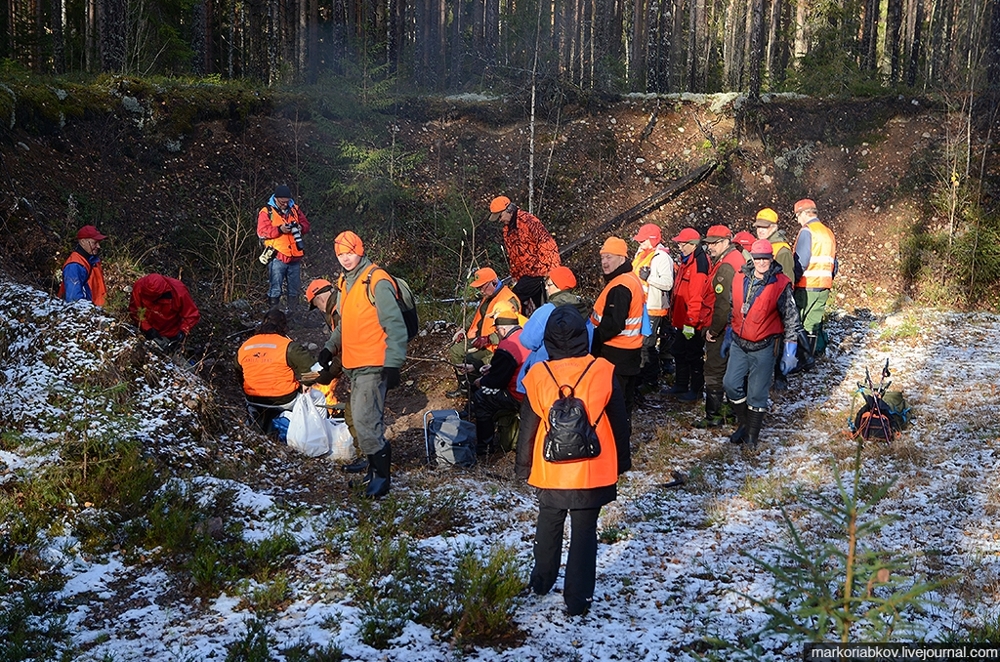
<point>450,439</point>
<point>885,413</point>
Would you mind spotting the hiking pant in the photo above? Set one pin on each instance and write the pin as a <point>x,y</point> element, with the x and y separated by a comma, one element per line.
<point>367,407</point>
<point>486,407</point>
<point>278,273</point>
<point>689,356</point>
<point>464,352</point>
<point>649,370</point>
<point>812,307</point>
<point>715,365</point>
<point>530,291</point>
<point>749,375</point>
<point>581,563</point>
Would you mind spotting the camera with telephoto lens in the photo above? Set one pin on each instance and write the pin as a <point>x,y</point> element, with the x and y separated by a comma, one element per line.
<point>296,232</point>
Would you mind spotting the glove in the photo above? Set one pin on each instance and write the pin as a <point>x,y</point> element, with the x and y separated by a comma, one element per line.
<point>688,332</point>
<point>644,273</point>
<point>480,342</point>
<point>391,376</point>
<point>151,334</point>
<point>789,360</point>
<point>727,340</point>
<point>325,377</point>
<point>180,337</point>
<point>325,358</point>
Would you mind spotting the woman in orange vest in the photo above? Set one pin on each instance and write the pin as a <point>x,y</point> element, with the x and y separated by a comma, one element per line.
<point>581,487</point>
<point>270,365</point>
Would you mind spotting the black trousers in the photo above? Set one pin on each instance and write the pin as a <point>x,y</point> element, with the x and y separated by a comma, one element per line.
<point>689,355</point>
<point>581,564</point>
<point>530,290</point>
<point>486,408</point>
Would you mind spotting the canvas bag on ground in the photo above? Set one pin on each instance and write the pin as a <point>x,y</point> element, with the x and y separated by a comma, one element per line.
<point>308,430</point>
<point>450,439</point>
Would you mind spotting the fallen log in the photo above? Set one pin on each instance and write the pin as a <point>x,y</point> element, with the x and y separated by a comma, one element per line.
<point>652,203</point>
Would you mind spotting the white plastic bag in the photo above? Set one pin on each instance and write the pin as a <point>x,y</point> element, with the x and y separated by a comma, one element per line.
<point>342,449</point>
<point>308,431</point>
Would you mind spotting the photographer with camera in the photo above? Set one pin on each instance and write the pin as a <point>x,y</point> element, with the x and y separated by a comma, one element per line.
<point>280,226</point>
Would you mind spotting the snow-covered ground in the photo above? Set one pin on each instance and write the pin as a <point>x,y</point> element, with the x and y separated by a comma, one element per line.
<point>676,573</point>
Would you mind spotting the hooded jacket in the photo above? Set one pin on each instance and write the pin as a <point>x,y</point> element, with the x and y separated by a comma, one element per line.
<point>566,338</point>
<point>162,304</point>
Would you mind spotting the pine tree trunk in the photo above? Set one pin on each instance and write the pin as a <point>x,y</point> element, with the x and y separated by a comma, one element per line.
<point>893,30</point>
<point>801,34</point>
<point>914,25</point>
<point>637,61</point>
<point>58,8</point>
<point>869,35</point>
<point>756,48</point>
<point>993,56</point>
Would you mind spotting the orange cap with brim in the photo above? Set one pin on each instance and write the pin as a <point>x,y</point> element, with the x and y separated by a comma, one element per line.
<point>484,276</point>
<point>318,286</point>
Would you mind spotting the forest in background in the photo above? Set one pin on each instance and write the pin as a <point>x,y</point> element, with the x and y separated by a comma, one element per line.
<point>810,46</point>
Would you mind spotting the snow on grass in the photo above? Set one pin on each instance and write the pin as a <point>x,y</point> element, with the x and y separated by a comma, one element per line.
<point>677,571</point>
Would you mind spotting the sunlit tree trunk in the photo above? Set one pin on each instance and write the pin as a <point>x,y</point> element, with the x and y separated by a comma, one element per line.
<point>755,55</point>
<point>869,35</point>
<point>893,31</point>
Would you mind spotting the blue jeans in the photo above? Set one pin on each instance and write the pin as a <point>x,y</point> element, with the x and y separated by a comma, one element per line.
<point>749,375</point>
<point>278,272</point>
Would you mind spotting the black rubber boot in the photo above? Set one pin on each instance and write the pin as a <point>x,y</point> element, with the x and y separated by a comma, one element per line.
<point>369,474</point>
<point>360,465</point>
<point>739,435</point>
<point>378,486</point>
<point>713,411</point>
<point>755,418</point>
<point>464,386</point>
<point>272,302</point>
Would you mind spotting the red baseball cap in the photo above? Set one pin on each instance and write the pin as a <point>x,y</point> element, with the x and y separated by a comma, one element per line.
<point>649,231</point>
<point>805,204</point>
<point>762,248</point>
<point>90,232</point>
<point>717,233</point>
<point>687,235</point>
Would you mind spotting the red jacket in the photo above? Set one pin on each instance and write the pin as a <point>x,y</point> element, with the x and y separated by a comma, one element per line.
<point>164,304</point>
<point>691,285</point>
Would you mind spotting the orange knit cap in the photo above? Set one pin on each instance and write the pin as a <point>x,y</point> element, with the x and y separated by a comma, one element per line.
<point>348,242</point>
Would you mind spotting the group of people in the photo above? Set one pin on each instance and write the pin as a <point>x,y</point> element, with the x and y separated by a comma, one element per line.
<point>732,311</point>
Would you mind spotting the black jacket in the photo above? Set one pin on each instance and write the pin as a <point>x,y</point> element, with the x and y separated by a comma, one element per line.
<point>616,307</point>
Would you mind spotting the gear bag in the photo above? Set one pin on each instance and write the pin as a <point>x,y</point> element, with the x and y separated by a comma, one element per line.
<point>569,434</point>
<point>404,298</point>
<point>450,439</point>
<point>882,418</point>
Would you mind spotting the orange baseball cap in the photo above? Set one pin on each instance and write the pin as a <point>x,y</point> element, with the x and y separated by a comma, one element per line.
<point>318,286</point>
<point>805,204</point>
<point>484,276</point>
<point>498,205</point>
<point>563,278</point>
<point>615,246</point>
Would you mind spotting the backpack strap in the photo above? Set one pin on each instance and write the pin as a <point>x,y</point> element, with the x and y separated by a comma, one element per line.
<point>368,284</point>
<point>572,389</point>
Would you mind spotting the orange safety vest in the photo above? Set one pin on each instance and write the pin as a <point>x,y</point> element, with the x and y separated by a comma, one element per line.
<point>645,259</point>
<point>631,335</point>
<point>363,340</point>
<point>283,243</point>
<point>483,323</point>
<point>95,279</point>
<point>595,391</point>
<point>818,275</point>
<point>264,359</point>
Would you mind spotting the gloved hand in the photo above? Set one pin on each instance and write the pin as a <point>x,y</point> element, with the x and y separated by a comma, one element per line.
<point>325,377</point>
<point>789,360</point>
<point>644,273</point>
<point>688,332</point>
<point>180,338</point>
<point>325,358</point>
<point>391,376</point>
<point>151,334</point>
<point>727,340</point>
<point>481,342</point>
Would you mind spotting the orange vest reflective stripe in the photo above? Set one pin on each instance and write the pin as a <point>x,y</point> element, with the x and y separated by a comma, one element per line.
<point>818,275</point>
<point>265,366</point>
<point>363,340</point>
<point>631,335</point>
<point>95,279</point>
<point>483,323</point>
<point>283,243</point>
<point>595,391</point>
<point>645,259</point>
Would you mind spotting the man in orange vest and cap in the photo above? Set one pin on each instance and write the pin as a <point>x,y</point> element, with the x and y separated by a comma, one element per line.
<point>280,225</point>
<point>815,267</point>
<point>531,251</point>
<point>371,342</point>
<point>617,317</point>
<point>474,346</point>
<point>83,277</point>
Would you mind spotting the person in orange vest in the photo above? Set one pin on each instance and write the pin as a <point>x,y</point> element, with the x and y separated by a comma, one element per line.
<point>82,274</point>
<point>371,343</point>
<point>496,390</point>
<point>280,225</point>
<point>727,260</point>
<point>531,251</point>
<point>270,366</point>
<point>163,309</point>
<point>655,268</point>
<point>690,316</point>
<point>617,317</point>
<point>815,267</point>
<point>763,312</point>
<point>473,347</point>
<point>579,488</point>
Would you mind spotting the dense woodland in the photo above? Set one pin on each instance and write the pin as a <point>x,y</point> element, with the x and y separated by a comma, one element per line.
<point>814,46</point>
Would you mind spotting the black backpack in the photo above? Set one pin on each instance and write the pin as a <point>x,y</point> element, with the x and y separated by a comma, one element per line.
<point>570,436</point>
<point>404,298</point>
